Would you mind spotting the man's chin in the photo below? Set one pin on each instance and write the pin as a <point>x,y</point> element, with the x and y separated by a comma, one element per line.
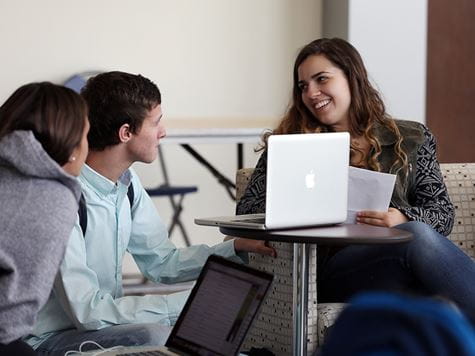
<point>146,160</point>
<point>150,159</point>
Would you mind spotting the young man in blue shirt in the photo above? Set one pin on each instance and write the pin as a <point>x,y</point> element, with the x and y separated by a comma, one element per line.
<point>87,302</point>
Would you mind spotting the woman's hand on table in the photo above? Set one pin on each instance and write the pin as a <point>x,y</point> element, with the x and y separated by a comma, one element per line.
<point>389,218</point>
<point>256,246</point>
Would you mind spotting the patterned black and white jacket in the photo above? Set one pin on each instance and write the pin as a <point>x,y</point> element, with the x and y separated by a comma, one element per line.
<point>420,194</point>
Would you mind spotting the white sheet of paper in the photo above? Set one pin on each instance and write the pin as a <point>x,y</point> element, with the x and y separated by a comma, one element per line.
<point>368,190</point>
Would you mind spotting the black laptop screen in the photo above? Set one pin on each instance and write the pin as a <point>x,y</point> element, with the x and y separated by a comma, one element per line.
<point>220,309</point>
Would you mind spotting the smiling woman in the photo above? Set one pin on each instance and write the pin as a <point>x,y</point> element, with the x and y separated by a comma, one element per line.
<point>325,92</point>
<point>332,92</point>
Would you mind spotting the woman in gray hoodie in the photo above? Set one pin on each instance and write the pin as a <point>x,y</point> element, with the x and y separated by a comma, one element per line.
<point>43,146</point>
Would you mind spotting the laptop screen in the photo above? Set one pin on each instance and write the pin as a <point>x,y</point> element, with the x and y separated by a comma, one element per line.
<point>220,309</point>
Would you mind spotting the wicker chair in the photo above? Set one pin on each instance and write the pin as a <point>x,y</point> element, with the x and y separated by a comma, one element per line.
<point>273,327</point>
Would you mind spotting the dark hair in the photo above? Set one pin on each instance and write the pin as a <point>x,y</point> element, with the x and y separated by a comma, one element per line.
<point>366,108</point>
<point>115,99</point>
<point>55,114</point>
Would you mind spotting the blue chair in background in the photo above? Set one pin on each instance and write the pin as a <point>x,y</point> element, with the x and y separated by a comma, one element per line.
<point>77,81</point>
<point>170,191</point>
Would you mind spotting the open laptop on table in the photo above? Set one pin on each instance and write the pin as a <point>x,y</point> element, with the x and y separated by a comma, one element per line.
<point>217,314</point>
<point>307,184</point>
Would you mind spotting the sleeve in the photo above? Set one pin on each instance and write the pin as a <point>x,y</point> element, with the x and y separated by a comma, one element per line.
<point>429,199</point>
<point>35,231</point>
<point>90,307</point>
<point>254,199</point>
<point>156,256</point>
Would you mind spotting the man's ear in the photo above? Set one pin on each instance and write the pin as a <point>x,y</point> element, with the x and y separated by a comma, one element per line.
<point>124,133</point>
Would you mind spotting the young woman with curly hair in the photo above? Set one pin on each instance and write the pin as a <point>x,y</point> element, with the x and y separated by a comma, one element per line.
<point>331,93</point>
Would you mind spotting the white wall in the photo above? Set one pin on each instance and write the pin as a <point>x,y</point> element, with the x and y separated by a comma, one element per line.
<point>210,58</point>
<point>391,37</point>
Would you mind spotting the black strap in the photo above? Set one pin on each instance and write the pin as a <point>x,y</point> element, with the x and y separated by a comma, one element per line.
<point>82,211</point>
<point>130,195</point>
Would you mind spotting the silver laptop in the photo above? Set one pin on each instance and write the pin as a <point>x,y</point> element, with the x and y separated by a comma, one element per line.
<point>307,184</point>
<point>217,314</point>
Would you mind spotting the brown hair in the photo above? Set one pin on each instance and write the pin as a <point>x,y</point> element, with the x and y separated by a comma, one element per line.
<point>366,108</point>
<point>55,114</point>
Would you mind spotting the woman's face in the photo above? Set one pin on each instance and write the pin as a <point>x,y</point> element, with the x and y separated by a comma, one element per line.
<point>325,91</point>
<point>79,155</point>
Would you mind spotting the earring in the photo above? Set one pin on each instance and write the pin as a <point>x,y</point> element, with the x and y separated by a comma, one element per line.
<point>72,159</point>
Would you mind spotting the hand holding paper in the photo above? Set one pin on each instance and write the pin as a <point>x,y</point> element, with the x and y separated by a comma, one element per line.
<point>389,218</point>
<point>368,190</point>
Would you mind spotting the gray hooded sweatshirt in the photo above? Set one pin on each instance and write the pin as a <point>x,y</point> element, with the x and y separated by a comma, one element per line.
<point>38,208</point>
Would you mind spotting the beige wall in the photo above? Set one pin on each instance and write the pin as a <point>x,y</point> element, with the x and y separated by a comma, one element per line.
<point>210,58</point>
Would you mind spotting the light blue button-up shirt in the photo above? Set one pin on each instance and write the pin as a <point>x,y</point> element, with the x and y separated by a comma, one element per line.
<point>88,289</point>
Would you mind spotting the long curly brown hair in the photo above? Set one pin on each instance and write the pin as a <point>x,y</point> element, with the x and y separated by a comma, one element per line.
<point>366,108</point>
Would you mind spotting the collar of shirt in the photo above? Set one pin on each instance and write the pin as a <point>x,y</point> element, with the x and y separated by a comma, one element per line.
<point>102,184</point>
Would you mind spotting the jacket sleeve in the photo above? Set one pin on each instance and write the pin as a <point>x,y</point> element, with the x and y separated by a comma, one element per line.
<point>254,199</point>
<point>429,199</point>
<point>34,234</point>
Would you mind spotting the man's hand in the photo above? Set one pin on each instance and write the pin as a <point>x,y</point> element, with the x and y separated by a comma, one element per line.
<point>256,246</point>
<point>389,218</point>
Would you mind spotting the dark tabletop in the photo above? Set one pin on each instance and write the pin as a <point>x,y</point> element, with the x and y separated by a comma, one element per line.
<point>328,235</point>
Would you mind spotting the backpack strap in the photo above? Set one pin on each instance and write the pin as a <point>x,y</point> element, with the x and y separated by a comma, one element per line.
<point>131,195</point>
<point>82,211</point>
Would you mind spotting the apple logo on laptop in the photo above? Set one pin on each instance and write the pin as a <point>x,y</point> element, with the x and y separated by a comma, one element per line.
<point>310,180</point>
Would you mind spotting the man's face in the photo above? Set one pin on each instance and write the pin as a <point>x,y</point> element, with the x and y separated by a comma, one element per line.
<point>143,146</point>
